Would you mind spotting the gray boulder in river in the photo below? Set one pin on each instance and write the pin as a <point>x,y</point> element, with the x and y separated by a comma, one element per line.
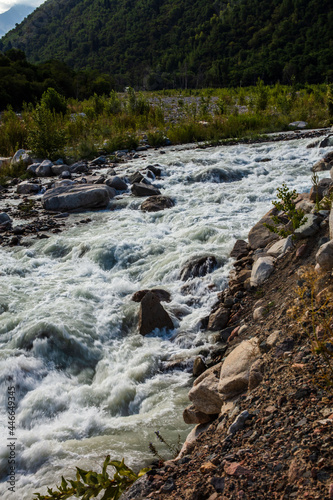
<point>67,198</point>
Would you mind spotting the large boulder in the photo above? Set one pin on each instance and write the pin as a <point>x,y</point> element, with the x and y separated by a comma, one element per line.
<point>141,189</point>
<point>235,371</point>
<point>79,167</point>
<point>205,396</point>
<point>261,270</point>
<point>59,169</point>
<point>68,198</point>
<point>198,267</point>
<point>27,187</point>
<point>324,256</point>
<point>240,249</point>
<point>259,236</point>
<point>21,156</point>
<point>156,203</point>
<point>326,142</point>
<point>153,315</point>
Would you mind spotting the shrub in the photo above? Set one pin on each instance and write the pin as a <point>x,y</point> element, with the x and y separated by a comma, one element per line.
<point>287,206</point>
<point>53,101</point>
<point>46,137</point>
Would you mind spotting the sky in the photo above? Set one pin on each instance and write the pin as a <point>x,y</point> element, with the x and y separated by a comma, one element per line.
<point>7,4</point>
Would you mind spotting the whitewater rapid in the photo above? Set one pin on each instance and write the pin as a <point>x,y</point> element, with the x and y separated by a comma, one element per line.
<point>86,383</point>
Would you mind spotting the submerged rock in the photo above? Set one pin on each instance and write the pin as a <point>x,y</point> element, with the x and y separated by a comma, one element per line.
<point>198,267</point>
<point>153,315</point>
<point>156,203</point>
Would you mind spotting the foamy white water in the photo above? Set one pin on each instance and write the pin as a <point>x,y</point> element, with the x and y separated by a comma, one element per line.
<point>87,384</point>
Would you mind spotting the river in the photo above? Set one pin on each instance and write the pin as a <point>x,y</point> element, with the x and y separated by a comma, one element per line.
<point>86,383</point>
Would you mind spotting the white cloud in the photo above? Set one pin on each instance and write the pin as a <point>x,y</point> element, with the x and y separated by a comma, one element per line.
<point>7,4</point>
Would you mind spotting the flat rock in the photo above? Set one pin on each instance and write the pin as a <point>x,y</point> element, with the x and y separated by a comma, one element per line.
<point>68,198</point>
<point>235,371</point>
<point>281,246</point>
<point>261,270</point>
<point>27,187</point>
<point>153,315</point>
<point>156,203</point>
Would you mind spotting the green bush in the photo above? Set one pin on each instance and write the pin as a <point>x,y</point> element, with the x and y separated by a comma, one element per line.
<point>89,484</point>
<point>53,101</point>
<point>46,136</point>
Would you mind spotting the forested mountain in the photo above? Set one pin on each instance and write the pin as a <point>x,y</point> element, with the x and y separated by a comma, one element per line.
<point>183,43</point>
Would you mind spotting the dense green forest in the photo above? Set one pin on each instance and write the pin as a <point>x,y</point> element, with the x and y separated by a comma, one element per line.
<point>21,81</point>
<point>156,44</point>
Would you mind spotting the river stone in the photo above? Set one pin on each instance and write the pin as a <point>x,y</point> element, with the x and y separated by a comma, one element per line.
<point>321,166</point>
<point>199,367</point>
<point>192,416</point>
<point>318,192</point>
<point>116,183</point>
<point>4,218</point>
<point>156,203</point>
<point>309,227</point>
<point>324,256</point>
<point>141,189</point>
<point>281,247</point>
<point>153,315</point>
<point>79,167</point>
<point>261,270</point>
<point>44,169</point>
<point>67,198</point>
<point>259,236</point>
<point>136,178</point>
<point>59,169</point>
<point>198,267</point>
<point>298,124</point>
<point>205,396</point>
<point>235,371</point>
<point>32,168</point>
<point>218,319</point>
<point>162,295</point>
<point>240,249</point>
<point>21,156</point>
<point>27,187</point>
<point>326,142</point>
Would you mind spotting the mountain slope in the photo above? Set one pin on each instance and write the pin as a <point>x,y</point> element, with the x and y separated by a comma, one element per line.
<point>13,16</point>
<point>166,43</point>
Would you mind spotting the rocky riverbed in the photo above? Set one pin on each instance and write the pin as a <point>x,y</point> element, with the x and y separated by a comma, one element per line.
<point>74,303</point>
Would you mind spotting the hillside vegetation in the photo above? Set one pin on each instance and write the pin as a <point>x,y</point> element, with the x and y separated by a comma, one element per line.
<point>158,44</point>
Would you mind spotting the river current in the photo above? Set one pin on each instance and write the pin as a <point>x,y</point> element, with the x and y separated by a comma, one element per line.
<point>86,383</point>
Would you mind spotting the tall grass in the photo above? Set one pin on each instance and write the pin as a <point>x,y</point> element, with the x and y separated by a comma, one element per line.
<point>83,129</point>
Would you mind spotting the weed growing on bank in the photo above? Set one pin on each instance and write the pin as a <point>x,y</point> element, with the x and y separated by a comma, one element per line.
<point>313,309</point>
<point>89,484</point>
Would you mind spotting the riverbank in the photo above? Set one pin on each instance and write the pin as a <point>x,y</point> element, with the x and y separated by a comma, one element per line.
<point>272,437</point>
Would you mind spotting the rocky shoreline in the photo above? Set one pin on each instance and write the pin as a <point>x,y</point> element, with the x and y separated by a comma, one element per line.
<point>263,417</point>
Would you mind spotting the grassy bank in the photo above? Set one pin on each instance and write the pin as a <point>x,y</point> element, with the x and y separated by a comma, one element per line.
<point>102,124</point>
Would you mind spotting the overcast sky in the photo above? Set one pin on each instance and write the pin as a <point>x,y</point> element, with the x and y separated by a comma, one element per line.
<point>7,4</point>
